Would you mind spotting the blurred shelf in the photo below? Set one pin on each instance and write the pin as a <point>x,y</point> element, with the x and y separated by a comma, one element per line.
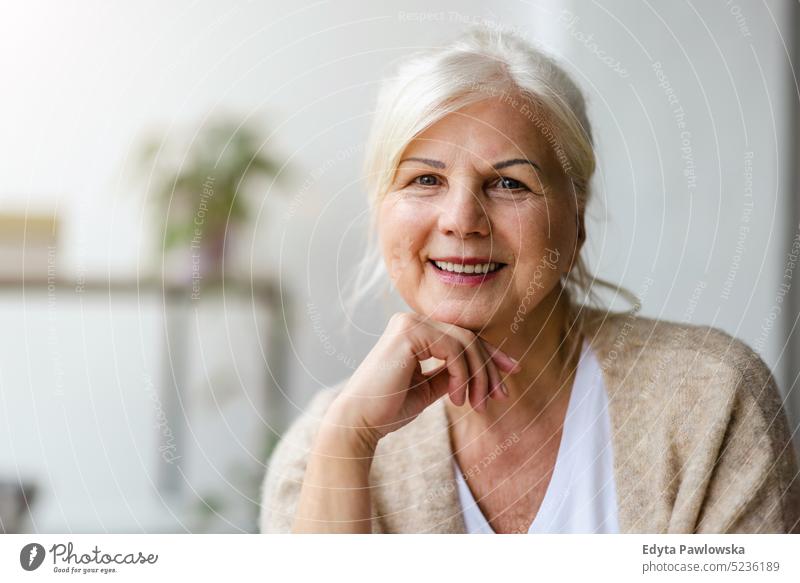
<point>261,288</point>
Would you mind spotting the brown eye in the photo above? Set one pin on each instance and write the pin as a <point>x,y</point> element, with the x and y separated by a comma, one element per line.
<point>426,180</point>
<point>510,184</point>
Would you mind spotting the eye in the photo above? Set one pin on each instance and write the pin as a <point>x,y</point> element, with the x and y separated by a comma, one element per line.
<point>426,180</point>
<point>509,186</point>
<point>506,183</point>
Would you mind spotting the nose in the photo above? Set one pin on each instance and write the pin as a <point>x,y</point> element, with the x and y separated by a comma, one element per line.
<point>462,213</point>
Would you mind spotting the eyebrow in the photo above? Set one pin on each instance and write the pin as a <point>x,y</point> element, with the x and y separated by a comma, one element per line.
<point>428,161</point>
<point>497,166</point>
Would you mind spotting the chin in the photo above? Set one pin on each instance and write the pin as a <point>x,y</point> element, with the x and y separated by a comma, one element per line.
<point>470,316</point>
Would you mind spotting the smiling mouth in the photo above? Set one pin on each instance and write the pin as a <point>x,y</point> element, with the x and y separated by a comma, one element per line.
<point>475,270</point>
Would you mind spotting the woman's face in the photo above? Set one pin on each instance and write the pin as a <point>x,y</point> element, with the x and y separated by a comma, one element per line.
<point>481,186</point>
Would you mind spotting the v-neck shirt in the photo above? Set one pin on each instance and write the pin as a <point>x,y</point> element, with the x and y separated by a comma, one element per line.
<point>581,494</point>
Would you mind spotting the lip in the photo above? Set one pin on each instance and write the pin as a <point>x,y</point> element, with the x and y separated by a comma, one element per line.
<point>463,279</point>
<point>465,260</point>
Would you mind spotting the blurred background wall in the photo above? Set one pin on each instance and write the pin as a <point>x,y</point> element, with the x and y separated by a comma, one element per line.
<point>131,408</point>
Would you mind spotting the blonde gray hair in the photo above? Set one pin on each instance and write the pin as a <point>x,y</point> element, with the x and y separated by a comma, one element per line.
<point>431,84</point>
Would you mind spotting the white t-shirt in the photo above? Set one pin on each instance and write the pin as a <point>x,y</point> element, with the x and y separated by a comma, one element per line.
<point>581,495</point>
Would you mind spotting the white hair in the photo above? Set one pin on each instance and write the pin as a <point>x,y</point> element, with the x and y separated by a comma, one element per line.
<point>432,84</point>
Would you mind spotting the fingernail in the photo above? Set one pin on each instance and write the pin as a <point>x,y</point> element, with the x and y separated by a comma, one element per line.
<point>504,389</point>
<point>507,356</point>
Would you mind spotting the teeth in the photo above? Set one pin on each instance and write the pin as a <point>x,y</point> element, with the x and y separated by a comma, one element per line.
<point>459,268</point>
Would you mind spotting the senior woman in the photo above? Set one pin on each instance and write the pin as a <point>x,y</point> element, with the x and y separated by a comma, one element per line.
<point>500,403</point>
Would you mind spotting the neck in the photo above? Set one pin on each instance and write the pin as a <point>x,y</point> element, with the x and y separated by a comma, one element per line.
<point>548,354</point>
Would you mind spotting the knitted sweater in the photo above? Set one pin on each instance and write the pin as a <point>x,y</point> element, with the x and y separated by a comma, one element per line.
<point>700,441</point>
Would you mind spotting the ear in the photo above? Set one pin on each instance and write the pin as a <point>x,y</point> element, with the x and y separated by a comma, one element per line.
<point>580,238</point>
<point>581,229</point>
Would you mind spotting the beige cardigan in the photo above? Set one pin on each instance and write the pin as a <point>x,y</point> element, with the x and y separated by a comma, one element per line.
<point>701,442</point>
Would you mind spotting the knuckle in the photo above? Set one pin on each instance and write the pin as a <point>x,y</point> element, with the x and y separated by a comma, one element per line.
<point>401,321</point>
<point>466,336</point>
<point>470,335</point>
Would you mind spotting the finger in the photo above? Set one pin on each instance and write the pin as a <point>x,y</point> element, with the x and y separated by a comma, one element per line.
<point>449,349</point>
<point>420,342</point>
<point>488,365</point>
<point>497,389</point>
<point>503,360</point>
<point>423,391</point>
<point>480,385</point>
<point>442,383</point>
<point>438,378</point>
<point>481,365</point>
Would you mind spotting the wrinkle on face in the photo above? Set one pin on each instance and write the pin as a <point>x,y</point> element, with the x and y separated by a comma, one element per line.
<point>465,213</point>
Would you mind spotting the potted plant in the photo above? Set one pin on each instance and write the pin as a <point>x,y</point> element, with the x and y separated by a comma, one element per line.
<point>199,184</point>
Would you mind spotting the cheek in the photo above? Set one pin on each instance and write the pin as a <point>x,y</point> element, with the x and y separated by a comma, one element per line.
<point>541,235</point>
<point>402,236</point>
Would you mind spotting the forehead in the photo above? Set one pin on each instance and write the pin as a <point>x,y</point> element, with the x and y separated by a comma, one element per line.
<point>487,130</point>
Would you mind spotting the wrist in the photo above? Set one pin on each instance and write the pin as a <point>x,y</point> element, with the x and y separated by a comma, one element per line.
<point>342,436</point>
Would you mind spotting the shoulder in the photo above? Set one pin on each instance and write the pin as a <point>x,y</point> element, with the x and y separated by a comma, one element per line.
<point>711,402</point>
<point>691,380</point>
<point>661,348</point>
<point>286,467</point>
